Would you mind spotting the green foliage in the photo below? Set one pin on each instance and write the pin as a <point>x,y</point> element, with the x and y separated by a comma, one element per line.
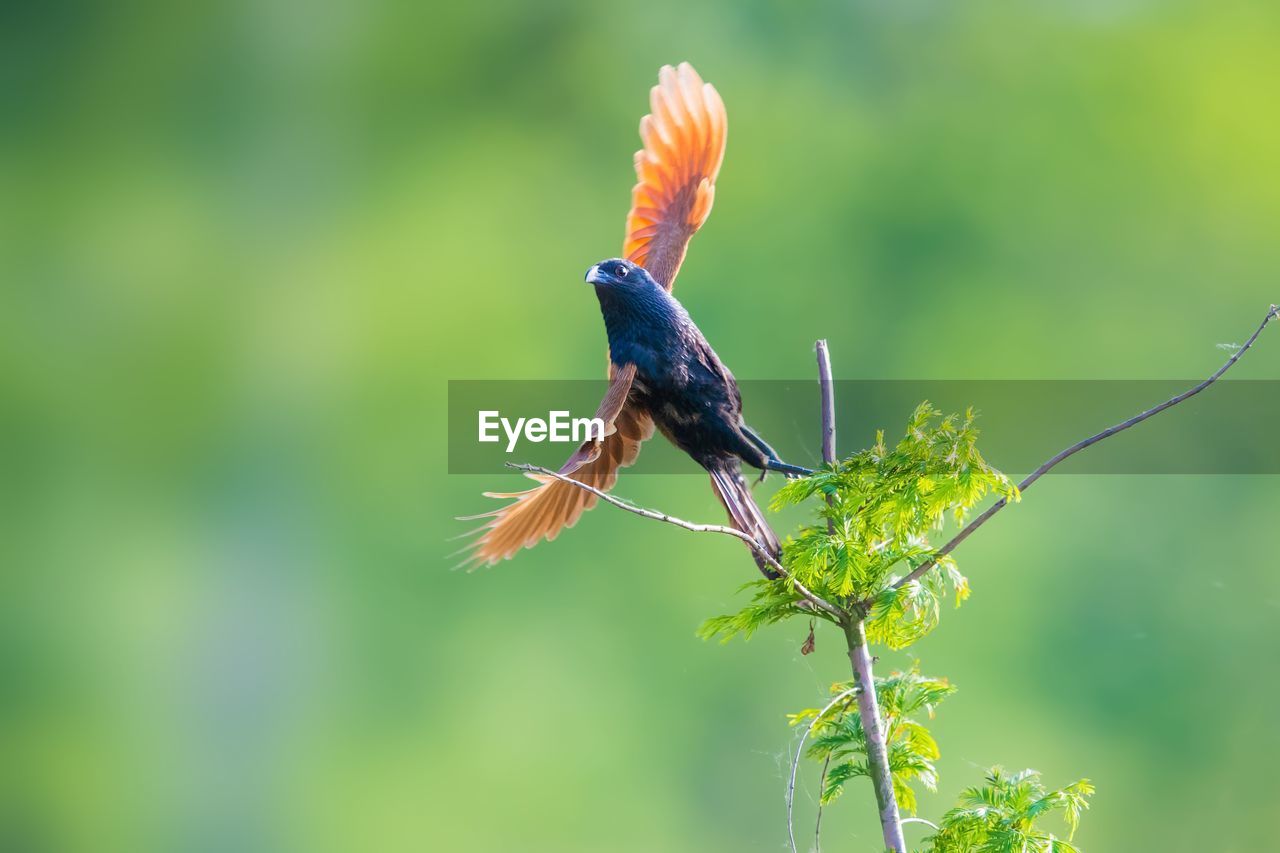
<point>879,506</point>
<point>876,511</point>
<point>899,617</point>
<point>839,736</point>
<point>1000,816</point>
<point>773,601</point>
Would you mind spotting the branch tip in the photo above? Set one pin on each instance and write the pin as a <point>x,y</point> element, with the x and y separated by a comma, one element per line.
<point>1272,313</point>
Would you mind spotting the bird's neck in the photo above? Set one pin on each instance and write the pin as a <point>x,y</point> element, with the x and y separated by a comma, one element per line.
<point>640,324</point>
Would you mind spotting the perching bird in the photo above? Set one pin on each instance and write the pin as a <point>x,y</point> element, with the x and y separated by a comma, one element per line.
<point>662,371</point>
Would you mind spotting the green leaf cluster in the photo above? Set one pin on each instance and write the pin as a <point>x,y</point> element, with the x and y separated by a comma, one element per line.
<point>773,601</point>
<point>877,510</point>
<point>1000,816</point>
<point>881,503</point>
<point>838,735</point>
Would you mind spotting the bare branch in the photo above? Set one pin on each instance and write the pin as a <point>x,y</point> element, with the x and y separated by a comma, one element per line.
<point>859,657</point>
<point>827,388</point>
<point>982,519</point>
<point>817,821</point>
<point>795,762</point>
<point>874,731</point>
<point>828,402</point>
<point>815,600</point>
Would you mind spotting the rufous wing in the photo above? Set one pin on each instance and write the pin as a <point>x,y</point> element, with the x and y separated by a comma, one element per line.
<point>684,138</point>
<point>546,509</point>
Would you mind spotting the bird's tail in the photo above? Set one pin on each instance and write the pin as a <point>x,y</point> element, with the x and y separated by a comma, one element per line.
<point>731,487</point>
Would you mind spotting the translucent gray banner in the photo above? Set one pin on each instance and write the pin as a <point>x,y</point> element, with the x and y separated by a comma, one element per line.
<point>1230,428</point>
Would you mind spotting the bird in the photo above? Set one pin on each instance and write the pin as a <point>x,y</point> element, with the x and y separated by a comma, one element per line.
<point>663,373</point>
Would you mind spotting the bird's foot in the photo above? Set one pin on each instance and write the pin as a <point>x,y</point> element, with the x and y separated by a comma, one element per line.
<point>791,471</point>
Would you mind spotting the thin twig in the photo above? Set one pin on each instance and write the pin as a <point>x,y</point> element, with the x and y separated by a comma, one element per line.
<point>760,549</point>
<point>826,386</point>
<point>795,762</point>
<point>982,519</point>
<point>817,821</point>
<point>822,786</point>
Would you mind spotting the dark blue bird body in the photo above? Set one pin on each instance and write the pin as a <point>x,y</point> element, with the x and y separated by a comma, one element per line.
<point>683,387</point>
<point>680,382</point>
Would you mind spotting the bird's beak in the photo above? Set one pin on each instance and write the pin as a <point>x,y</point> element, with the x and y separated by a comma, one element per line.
<point>594,276</point>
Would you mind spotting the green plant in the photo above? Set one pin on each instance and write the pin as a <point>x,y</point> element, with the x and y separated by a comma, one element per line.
<point>875,513</point>
<point>1000,816</point>
<point>840,741</point>
<point>880,507</point>
<point>867,565</point>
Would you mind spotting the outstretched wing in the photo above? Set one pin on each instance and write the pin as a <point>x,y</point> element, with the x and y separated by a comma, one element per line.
<point>684,139</point>
<point>543,511</point>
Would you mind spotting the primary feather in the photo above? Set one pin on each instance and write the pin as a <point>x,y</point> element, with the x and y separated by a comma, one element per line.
<point>684,141</point>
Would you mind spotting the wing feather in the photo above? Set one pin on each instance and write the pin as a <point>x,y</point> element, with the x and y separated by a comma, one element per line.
<point>684,139</point>
<point>543,511</point>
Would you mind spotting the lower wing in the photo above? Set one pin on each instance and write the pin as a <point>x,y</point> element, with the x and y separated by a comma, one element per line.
<point>546,509</point>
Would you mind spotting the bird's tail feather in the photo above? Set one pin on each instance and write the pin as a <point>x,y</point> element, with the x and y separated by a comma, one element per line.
<point>731,487</point>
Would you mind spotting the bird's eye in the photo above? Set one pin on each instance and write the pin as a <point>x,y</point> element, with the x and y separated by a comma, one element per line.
<point>621,271</point>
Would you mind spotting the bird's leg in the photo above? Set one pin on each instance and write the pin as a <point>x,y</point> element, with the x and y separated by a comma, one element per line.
<point>763,446</point>
<point>772,460</point>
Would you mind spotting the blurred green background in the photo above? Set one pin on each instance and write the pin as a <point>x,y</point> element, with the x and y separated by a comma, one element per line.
<point>243,247</point>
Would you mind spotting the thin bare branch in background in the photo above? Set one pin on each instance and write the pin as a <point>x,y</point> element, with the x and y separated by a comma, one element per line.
<point>817,821</point>
<point>822,787</point>
<point>982,519</point>
<point>795,762</point>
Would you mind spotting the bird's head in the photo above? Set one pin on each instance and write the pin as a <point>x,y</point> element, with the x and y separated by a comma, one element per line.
<point>634,306</point>
<point>618,274</point>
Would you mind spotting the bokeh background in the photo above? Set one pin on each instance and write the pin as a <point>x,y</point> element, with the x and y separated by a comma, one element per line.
<point>244,246</point>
